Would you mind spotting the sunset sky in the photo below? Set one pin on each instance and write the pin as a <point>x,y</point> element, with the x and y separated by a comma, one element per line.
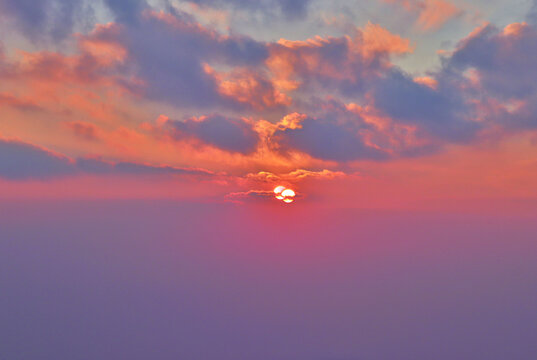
<point>141,140</point>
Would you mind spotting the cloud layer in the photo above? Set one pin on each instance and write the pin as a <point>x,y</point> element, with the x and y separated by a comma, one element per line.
<point>229,101</point>
<point>23,161</point>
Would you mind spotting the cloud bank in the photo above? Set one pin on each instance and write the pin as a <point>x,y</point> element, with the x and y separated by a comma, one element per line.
<point>250,105</point>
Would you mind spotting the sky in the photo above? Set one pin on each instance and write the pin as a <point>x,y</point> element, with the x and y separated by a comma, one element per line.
<point>141,141</point>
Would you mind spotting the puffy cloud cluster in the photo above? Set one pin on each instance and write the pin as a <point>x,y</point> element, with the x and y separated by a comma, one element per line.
<point>444,113</point>
<point>347,64</point>
<point>500,66</point>
<point>168,56</point>
<point>504,59</point>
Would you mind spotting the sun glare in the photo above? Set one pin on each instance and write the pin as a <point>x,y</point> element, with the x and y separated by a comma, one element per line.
<point>284,194</point>
<point>278,192</point>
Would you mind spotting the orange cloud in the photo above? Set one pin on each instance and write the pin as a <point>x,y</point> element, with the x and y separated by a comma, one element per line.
<point>349,60</point>
<point>385,133</point>
<point>432,14</point>
<point>515,29</point>
<point>246,87</point>
<point>377,40</point>
<point>427,81</point>
<point>294,176</point>
<point>436,13</point>
<point>98,44</point>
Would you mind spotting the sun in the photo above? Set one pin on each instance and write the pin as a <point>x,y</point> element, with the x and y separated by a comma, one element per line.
<point>278,192</point>
<point>284,194</point>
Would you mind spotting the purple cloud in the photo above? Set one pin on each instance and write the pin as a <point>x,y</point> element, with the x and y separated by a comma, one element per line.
<point>20,161</point>
<point>45,18</point>
<point>229,134</point>
<point>23,161</point>
<point>505,60</point>
<point>127,11</point>
<point>441,112</point>
<point>326,139</point>
<point>503,64</point>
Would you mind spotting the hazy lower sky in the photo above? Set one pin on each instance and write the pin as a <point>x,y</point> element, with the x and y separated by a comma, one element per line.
<point>141,142</point>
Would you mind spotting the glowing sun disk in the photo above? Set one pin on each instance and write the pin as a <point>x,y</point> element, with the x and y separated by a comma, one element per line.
<point>284,194</point>
<point>288,193</point>
<point>278,191</point>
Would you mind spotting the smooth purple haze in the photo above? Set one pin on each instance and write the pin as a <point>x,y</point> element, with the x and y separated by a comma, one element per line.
<point>163,280</point>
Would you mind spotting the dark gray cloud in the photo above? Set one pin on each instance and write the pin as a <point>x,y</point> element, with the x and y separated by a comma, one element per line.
<point>229,134</point>
<point>23,161</point>
<point>488,82</point>
<point>336,131</point>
